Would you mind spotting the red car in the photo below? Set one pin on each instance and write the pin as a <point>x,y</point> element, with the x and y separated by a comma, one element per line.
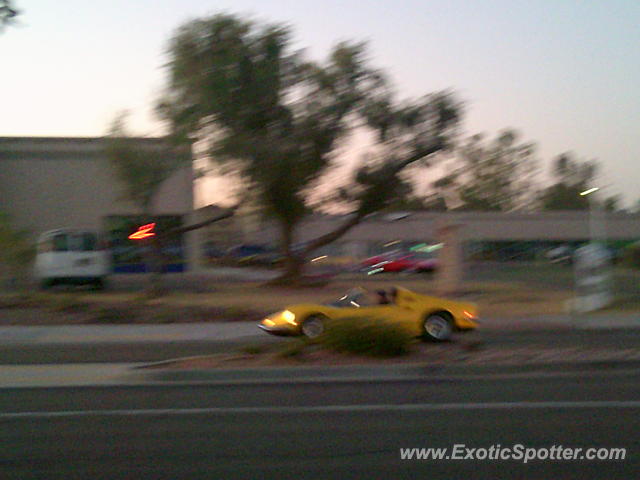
<point>405,262</point>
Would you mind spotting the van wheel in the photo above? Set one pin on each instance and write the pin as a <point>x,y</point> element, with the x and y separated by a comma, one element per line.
<point>99,283</point>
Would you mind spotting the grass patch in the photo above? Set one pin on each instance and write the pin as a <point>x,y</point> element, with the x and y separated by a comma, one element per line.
<point>499,290</point>
<point>364,336</point>
<point>68,303</point>
<point>624,304</point>
<point>16,300</point>
<point>111,314</point>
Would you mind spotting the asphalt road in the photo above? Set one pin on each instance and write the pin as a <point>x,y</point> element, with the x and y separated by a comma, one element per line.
<point>154,351</point>
<point>329,430</point>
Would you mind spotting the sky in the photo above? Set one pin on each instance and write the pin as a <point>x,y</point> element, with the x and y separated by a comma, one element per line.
<point>564,73</point>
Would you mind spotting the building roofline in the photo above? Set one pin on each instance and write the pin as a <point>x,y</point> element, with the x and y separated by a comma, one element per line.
<point>38,139</point>
<point>62,147</point>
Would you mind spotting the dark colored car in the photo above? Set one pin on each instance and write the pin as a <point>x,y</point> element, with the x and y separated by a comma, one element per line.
<point>254,255</point>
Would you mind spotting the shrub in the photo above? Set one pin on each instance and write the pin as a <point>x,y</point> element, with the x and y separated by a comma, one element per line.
<point>367,336</point>
<point>254,349</point>
<point>292,349</point>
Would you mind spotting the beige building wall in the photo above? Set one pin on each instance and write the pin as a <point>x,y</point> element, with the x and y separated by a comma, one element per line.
<point>561,226</point>
<point>48,183</point>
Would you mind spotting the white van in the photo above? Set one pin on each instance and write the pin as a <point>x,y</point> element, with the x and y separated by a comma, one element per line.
<point>71,256</point>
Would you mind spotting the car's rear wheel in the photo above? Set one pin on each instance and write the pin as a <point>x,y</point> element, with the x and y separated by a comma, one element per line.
<point>313,326</point>
<point>47,283</point>
<point>437,327</point>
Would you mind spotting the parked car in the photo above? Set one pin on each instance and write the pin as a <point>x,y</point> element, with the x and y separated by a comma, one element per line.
<point>562,255</point>
<point>418,262</point>
<point>254,255</point>
<point>428,317</point>
<point>69,256</point>
<point>212,253</point>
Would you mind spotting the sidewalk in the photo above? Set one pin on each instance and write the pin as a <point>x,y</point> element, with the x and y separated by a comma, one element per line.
<point>66,375</point>
<point>68,334</point>
<point>238,331</point>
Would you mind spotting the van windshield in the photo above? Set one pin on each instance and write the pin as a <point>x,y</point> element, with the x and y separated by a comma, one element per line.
<point>60,243</point>
<point>83,242</point>
<point>79,242</point>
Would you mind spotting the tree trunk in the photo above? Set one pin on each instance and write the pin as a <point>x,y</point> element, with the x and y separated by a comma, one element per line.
<point>153,257</point>
<point>154,263</point>
<point>292,273</point>
<point>293,264</point>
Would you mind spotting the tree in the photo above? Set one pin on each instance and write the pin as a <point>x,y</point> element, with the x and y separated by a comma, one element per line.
<point>493,176</point>
<point>572,177</point>
<point>612,204</point>
<point>141,170</point>
<point>407,199</point>
<point>16,251</point>
<point>277,119</point>
<point>8,13</point>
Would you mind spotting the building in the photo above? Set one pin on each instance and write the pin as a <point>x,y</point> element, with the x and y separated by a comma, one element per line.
<point>50,182</point>
<point>489,235</point>
<point>53,182</point>
<point>515,235</point>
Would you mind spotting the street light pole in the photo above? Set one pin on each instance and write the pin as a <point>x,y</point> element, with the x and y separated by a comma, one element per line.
<point>593,230</point>
<point>594,287</point>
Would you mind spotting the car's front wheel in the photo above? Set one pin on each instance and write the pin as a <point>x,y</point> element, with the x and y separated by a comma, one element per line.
<point>437,327</point>
<point>313,326</point>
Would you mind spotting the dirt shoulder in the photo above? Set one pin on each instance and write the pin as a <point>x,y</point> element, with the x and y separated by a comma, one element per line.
<point>517,292</point>
<point>243,302</point>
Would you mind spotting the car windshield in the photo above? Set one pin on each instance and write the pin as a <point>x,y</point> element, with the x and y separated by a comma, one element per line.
<point>356,297</point>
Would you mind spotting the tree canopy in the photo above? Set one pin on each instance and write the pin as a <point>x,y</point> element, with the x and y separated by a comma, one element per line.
<point>8,13</point>
<point>572,176</point>
<point>277,118</point>
<point>492,175</point>
<point>141,169</point>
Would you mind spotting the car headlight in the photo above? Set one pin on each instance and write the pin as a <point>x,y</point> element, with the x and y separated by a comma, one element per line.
<point>267,322</point>
<point>289,317</point>
<point>470,316</point>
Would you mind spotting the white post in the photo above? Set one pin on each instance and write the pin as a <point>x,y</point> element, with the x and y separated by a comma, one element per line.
<point>594,288</point>
<point>594,231</point>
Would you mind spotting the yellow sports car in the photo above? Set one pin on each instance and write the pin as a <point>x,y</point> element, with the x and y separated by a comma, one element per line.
<point>428,317</point>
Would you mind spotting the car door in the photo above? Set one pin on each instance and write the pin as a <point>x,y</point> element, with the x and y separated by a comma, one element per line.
<point>390,312</point>
<point>61,257</point>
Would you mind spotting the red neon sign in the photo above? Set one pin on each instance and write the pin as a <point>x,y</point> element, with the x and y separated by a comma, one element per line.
<point>145,231</point>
